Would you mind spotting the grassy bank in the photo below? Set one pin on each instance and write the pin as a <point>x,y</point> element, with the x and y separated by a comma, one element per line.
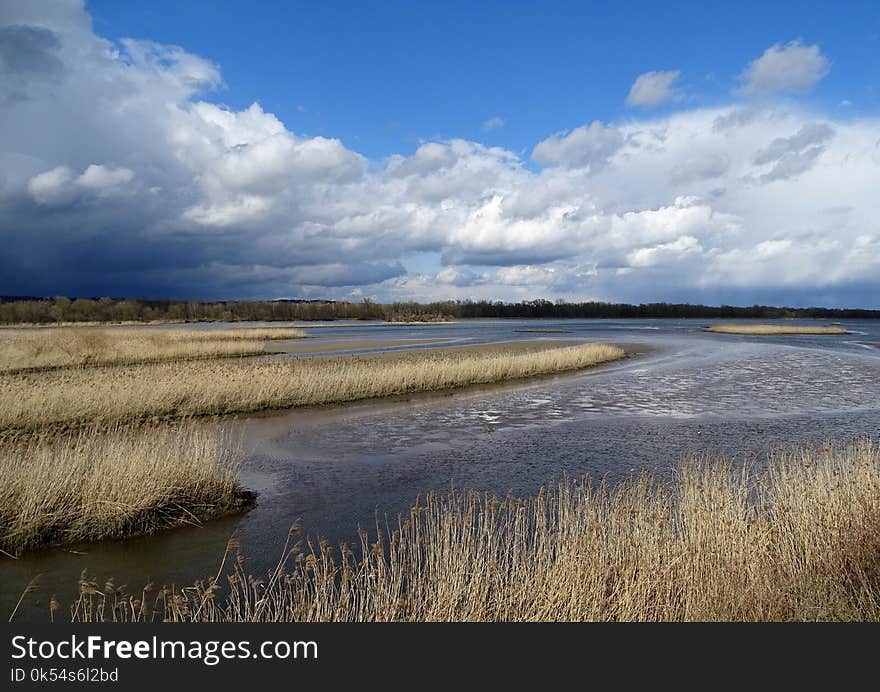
<point>799,540</point>
<point>34,401</point>
<point>95,484</point>
<point>774,329</point>
<point>40,349</point>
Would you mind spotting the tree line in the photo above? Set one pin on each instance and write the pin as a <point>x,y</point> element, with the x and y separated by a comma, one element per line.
<point>63,309</point>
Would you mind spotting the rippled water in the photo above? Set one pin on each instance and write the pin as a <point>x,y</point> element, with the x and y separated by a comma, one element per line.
<point>337,468</point>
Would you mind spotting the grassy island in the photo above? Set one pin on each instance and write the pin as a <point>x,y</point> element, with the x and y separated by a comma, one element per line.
<point>65,398</point>
<point>775,329</point>
<point>68,347</point>
<point>99,484</point>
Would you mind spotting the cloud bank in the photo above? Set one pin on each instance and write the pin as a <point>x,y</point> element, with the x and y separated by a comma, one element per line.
<point>122,174</point>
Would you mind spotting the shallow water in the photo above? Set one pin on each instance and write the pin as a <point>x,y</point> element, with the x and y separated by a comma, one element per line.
<point>334,469</point>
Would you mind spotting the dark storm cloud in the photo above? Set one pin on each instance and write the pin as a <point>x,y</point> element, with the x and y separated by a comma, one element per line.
<point>27,53</point>
<point>29,50</point>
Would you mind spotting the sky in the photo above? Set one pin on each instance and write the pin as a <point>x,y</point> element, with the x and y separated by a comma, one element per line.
<point>701,152</point>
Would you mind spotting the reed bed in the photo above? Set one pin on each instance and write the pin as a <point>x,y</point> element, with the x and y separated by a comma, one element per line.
<point>69,398</point>
<point>774,329</point>
<point>798,539</point>
<point>66,347</point>
<point>97,484</point>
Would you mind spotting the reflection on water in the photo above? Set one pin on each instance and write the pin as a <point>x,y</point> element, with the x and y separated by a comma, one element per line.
<point>334,469</point>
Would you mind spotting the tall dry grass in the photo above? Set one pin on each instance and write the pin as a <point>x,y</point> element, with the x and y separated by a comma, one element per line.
<point>771,329</point>
<point>40,349</point>
<point>32,401</point>
<point>93,484</point>
<point>799,540</point>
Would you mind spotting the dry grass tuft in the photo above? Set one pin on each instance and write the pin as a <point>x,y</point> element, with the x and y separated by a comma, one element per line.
<point>799,540</point>
<point>34,401</point>
<point>774,329</point>
<point>95,484</point>
<point>42,349</point>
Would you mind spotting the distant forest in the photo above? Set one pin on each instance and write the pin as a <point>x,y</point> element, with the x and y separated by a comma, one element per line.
<point>54,310</point>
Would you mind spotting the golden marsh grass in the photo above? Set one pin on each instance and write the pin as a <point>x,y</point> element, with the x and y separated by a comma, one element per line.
<point>94,484</point>
<point>63,398</point>
<point>797,540</point>
<point>774,329</point>
<point>49,348</point>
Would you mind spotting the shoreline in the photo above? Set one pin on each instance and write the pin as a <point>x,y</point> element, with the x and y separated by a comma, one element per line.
<point>353,322</point>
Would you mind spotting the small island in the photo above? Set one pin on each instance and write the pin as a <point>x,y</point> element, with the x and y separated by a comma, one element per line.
<point>775,329</point>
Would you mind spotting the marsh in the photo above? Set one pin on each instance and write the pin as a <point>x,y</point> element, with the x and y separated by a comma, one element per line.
<point>333,469</point>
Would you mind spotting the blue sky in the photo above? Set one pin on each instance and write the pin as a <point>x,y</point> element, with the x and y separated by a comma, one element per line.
<point>385,76</point>
<point>701,152</point>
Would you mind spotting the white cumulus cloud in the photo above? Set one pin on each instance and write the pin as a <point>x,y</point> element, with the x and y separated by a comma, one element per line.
<point>653,88</point>
<point>793,67</point>
<point>589,146</point>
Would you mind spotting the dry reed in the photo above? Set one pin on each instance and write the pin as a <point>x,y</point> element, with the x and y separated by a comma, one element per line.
<point>797,540</point>
<point>774,329</point>
<point>95,484</point>
<point>41,349</point>
<point>33,401</point>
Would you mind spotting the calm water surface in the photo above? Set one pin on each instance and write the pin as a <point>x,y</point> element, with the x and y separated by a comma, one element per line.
<point>335,469</point>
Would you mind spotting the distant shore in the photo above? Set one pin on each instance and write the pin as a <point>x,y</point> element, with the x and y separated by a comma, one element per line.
<point>60,310</point>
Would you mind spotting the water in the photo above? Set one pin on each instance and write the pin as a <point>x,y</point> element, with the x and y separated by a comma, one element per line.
<point>337,468</point>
